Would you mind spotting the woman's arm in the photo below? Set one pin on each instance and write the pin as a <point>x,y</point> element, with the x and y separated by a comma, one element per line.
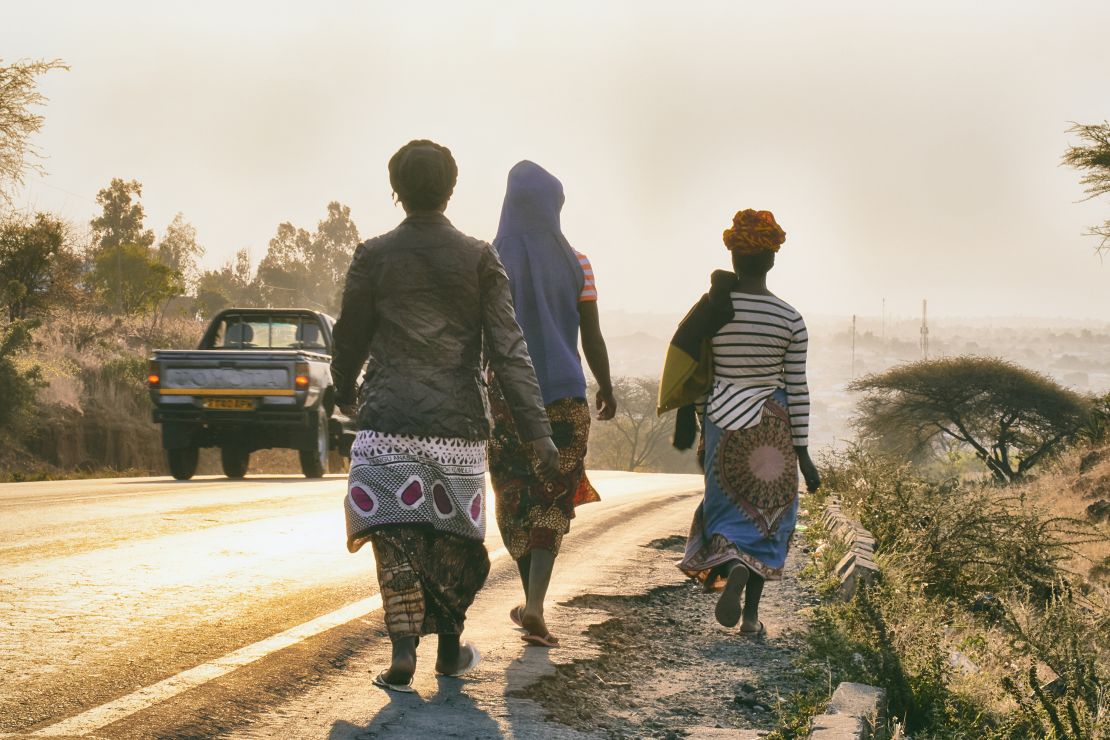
<point>352,332</point>
<point>797,401</point>
<point>597,357</point>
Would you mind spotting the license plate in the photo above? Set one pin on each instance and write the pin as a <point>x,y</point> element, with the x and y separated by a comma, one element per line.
<point>230,404</point>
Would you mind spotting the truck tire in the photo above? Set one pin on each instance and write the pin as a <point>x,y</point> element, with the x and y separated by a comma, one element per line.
<point>183,461</point>
<point>235,461</point>
<point>314,462</point>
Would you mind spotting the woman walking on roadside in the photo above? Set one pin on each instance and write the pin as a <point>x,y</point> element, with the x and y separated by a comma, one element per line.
<point>418,301</point>
<point>555,297</point>
<point>755,422</point>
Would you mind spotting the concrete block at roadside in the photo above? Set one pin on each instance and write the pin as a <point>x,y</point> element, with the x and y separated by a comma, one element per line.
<point>859,571</point>
<point>856,712</point>
<point>723,733</point>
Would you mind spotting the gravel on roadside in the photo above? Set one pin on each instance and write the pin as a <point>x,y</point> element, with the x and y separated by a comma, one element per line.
<point>667,669</point>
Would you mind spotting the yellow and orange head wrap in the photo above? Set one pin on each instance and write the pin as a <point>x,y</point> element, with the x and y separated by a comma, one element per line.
<point>753,232</point>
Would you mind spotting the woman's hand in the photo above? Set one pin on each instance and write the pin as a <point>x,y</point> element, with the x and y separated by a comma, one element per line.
<point>606,404</point>
<point>809,470</point>
<point>547,454</point>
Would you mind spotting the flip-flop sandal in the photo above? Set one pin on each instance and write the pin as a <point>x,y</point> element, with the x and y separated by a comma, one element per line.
<point>475,659</point>
<point>403,688</point>
<point>516,614</point>
<point>754,633</point>
<point>549,640</point>
<point>728,610</point>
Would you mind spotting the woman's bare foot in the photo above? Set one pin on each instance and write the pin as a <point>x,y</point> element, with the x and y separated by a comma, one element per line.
<point>403,665</point>
<point>533,622</point>
<point>453,657</point>
<point>728,604</point>
<point>516,614</point>
<point>751,626</point>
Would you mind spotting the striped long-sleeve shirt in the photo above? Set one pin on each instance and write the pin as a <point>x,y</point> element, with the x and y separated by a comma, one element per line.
<point>762,349</point>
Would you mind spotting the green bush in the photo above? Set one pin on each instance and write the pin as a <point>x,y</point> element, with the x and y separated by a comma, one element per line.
<point>17,385</point>
<point>975,629</point>
<point>118,384</point>
<point>964,540</point>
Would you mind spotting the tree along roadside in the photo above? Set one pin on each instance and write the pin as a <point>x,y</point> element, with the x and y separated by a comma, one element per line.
<point>1011,418</point>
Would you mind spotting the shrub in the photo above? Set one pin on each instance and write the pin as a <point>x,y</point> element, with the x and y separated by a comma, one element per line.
<point>964,540</point>
<point>975,630</point>
<point>18,385</point>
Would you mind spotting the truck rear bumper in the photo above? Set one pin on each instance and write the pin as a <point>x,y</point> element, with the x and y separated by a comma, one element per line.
<point>216,417</point>
<point>253,430</point>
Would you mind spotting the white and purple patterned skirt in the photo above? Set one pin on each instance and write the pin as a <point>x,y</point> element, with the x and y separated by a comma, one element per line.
<point>401,479</point>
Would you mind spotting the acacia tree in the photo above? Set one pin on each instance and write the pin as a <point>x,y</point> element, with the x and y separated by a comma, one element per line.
<point>1011,417</point>
<point>18,95</point>
<point>1092,158</point>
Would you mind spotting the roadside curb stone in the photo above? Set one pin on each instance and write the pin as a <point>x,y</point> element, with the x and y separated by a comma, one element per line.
<point>858,564</point>
<point>856,712</point>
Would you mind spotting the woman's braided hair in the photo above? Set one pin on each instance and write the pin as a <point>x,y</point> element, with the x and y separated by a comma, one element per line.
<point>423,174</point>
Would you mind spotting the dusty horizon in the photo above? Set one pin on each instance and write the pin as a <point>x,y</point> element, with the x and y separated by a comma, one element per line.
<point>910,152</point>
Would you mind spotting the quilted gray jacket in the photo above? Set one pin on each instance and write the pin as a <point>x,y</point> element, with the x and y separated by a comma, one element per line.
<point>422,302</point>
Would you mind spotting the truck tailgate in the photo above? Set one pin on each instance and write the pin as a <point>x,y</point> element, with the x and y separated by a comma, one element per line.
<point>222,372</point>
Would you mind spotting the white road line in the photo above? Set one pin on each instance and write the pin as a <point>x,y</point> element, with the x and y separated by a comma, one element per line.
<point>125,706</point>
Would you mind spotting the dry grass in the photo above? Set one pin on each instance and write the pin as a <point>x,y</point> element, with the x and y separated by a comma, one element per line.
<point>1077,480</point>
<point>93,418</point>
<point>984,601</point>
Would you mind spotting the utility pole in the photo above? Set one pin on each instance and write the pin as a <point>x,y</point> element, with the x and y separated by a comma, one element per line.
<point>853,346</point>
<point>924,329</point>
<point>882,330</point>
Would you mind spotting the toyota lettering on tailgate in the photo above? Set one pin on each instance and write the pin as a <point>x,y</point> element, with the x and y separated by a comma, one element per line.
<point>225,377</point>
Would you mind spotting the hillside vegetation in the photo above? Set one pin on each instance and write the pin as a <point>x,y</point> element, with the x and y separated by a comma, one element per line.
<point>993,611</point>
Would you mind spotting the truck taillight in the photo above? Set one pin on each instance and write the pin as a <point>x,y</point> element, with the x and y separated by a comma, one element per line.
<point>300,376</point>
<point>154,374</point>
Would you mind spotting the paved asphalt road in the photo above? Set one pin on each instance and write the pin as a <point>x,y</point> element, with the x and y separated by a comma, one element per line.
<point>150,607</point>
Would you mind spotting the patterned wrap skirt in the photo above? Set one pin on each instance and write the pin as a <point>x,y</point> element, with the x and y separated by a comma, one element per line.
<point>533,513</point>
<point>420,502</point>
<point>750,506</point>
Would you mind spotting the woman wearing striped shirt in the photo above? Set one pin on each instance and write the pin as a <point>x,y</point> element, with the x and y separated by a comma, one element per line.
<point>755,428</point>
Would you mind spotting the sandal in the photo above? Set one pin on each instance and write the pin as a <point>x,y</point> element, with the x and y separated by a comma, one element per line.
<point>728,604</point>
<point>403,688</point>
<point>549,640</point>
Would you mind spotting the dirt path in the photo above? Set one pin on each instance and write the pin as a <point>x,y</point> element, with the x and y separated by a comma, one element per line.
<point>666,668</point>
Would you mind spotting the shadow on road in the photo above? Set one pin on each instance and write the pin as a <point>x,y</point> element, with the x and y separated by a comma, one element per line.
<point>280,479</point>
<point>449,713</point>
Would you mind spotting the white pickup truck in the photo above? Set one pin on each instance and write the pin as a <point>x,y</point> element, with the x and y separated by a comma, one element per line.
<point>260,378</point>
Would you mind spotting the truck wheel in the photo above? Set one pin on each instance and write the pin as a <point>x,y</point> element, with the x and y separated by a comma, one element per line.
<point>235,461</point>
<point>183,461</point>
<point>314,462</point>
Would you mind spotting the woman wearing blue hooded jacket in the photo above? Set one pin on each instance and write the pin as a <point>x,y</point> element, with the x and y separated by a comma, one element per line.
<point>555,300</point>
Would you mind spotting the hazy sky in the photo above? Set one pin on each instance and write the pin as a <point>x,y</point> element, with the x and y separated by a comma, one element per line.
<point>909,150</point>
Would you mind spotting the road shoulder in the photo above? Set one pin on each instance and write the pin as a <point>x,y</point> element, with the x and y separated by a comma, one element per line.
<point>641,656</point>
